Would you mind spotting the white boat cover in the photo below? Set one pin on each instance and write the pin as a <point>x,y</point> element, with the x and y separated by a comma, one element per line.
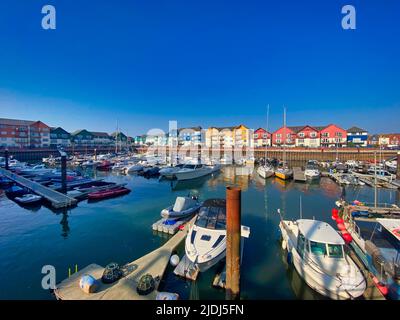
<point>184,203</point>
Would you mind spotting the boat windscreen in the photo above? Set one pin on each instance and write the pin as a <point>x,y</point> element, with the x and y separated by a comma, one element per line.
<point>189,166</point>
<point>335,250</point>
<point>212,218</point>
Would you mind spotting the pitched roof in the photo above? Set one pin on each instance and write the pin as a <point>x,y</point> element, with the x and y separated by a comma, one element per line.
<point>198,128</point>
<point>75,133</point>
<point>58,130</point>
<point>15,122</point>
<point>100,134</point>
<point>355,130</point>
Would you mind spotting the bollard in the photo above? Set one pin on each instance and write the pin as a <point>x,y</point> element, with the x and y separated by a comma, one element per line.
<point>6,156</point>
<point>64,174</point>
<point>95,154</point>
<point>233,234</point>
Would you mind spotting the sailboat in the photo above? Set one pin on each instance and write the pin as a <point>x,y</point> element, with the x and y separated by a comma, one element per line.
<point>267,170</point>
<point>283,172</point>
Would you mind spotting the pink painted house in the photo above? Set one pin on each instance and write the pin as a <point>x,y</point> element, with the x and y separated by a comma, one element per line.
<point>262,138</point>
<point>332,136</point>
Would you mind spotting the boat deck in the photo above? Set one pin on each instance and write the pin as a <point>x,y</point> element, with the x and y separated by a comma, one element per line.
<point>57,199</point>
<point>153,263</point>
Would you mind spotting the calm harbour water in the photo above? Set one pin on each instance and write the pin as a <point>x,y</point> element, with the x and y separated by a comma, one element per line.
<point>119,230</point>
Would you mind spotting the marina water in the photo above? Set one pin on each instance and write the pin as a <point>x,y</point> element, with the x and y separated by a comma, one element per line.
<point>119,230</point>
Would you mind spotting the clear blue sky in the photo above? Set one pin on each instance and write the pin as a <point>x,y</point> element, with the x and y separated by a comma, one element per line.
<point>200,63</point>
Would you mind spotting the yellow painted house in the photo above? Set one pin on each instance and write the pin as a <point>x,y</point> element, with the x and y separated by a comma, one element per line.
<point>242,136</point>
<point>239,136</point>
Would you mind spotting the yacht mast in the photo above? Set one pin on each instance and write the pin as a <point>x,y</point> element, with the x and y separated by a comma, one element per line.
<point>284,136</point>
<point>266,145</point>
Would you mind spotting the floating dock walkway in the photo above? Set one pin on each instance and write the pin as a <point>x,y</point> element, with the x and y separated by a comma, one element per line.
<point>57,199</point>
<point>298,174</point>
<point>154,263</point>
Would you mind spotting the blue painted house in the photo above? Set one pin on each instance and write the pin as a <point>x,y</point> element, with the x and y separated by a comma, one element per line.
<point>357,136</point>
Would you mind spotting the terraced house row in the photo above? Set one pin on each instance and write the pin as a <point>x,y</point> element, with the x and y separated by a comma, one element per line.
<point>36,134</point>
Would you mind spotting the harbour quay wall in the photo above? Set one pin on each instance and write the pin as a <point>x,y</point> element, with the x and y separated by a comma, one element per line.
<point>292,154</point>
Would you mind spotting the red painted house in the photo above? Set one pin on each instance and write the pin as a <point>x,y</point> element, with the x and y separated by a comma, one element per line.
<point>262,138</point>
<point>333,136</point>
<point>278,137</point>
<point>308,137</point>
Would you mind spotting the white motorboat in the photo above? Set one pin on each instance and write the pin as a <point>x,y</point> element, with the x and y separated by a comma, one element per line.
<point>318,255</point>
<point>183,208</point>
<point>169,172</point>
<point>28,199</point>
<point>391,165</point>
<point>266,171</point>
<point>311,171</point>
<point>36,170</point>
<point>205,243</point>
<point>16,165</point>
<point>193,171</point>
<point>134,168</point>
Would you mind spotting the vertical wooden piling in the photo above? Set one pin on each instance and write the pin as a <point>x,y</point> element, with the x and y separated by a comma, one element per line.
<point>398,165</point>
<point>233,226</point>
<point>95,154</point>
<point>6,156</point>
<point>64,173</point>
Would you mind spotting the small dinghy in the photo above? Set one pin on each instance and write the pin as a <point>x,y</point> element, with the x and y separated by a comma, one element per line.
<point>183,207</point>
<point>28,198</point>
<point>105,194</point>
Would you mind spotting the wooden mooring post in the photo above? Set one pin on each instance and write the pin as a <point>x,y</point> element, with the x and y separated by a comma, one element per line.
<point>63,173</point>
<point>233,234</point>
<point>398,165</point>
<point>6,156</point>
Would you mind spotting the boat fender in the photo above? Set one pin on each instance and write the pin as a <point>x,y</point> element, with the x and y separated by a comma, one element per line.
<point>284,244</point>
<point>339,220</point>
<point>88,284</point>
<point>347,237</point>
<point>174,260</point>
<point>341,226</point>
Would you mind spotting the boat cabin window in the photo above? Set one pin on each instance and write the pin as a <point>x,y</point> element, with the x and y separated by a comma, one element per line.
<point>335,250</point>
<point>318,248</point>
<point>212,218</point>
<point>190,166</point>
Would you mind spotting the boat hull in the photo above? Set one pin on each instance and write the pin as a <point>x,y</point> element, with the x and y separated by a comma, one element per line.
<point>322,283</point>
<point>283,176</point>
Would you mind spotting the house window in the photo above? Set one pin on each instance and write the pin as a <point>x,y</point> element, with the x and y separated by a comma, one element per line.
<point>338,134</point>
<point>325,134</point>
<point>301,134</point>
<point>278,141</point>
<point>313,134</point>
<point>256,135</point>
<point>279,135</point>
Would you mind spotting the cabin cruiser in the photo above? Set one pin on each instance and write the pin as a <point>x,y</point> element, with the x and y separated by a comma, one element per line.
<point>311,171</point>
<point>391,165</point>
<point>169,172</point>
<point>36,170</point>
<point>205,243</point>
<point>193,171</point>
<point>183,208</point>
<point>317,252</point>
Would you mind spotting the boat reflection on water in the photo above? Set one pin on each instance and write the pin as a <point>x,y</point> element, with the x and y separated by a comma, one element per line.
<point>177,185</point>
<point>242,180</point>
